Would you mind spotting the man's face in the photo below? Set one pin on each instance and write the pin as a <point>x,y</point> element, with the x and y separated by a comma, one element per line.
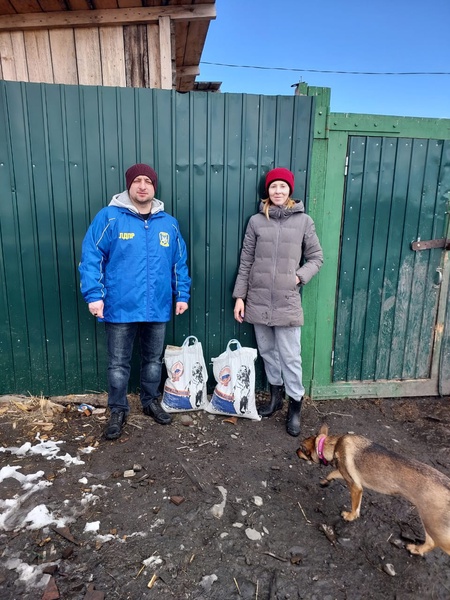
<point>142,190</point>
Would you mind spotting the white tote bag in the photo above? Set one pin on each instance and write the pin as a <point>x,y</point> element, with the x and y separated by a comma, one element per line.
<point>234,372</point>
<point>185,386</point>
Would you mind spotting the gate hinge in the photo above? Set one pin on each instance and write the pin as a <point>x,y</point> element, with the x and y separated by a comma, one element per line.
<point>428,244</point>
<point>332,358</point>
<point>346,166</point>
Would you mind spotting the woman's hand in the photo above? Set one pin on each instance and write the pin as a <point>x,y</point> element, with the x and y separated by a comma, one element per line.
<point>239,310</point>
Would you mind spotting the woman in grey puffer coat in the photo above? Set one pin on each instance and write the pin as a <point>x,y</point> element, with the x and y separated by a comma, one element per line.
<point>280,252</point>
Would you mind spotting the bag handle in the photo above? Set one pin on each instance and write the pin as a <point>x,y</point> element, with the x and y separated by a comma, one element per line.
<point>233,342</point>
<point>188,339</point>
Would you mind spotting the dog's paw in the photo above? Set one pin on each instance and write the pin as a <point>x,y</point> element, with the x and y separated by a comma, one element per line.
<point>348,516</point>
<point>324,482</point>
<point>413,549</point>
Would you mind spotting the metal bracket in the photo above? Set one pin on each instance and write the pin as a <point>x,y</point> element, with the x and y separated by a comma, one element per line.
<point>427,245</point>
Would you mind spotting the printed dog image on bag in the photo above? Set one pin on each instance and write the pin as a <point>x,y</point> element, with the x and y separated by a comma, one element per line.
<point>234,372</point>
<point>242,388</point>
<point>185,386</point>
<point>196,383</point>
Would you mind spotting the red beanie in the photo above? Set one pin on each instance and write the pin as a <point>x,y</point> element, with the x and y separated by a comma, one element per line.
<point>280,174</point>
<point>141,169</point>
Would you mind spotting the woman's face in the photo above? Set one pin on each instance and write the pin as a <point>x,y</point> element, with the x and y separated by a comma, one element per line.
<point>278,192</point>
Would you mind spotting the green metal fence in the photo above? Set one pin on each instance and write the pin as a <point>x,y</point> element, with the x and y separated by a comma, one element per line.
<point>382,320</point>
<point>388,295</point>
<point>63,153</point>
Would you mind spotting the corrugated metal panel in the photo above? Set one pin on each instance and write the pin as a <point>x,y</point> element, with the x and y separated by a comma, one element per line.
<point>387,301</point>
<point>63,153</point>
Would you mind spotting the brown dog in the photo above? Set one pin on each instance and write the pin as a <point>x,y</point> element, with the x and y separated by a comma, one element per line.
<point>362,463</point>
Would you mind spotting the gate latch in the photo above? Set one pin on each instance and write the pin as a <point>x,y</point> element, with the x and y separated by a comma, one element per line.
<point>427,245</point>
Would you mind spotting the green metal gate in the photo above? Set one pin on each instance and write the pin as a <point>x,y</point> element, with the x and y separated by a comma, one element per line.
<point>394,239</point>
<point>63,153</point>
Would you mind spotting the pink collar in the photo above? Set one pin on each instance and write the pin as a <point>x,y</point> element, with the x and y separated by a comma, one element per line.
<point>320,445</point>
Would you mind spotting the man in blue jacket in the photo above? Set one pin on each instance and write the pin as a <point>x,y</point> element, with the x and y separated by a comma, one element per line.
<point>133,263</point>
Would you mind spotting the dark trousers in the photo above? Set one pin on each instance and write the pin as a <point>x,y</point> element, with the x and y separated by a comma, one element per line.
<point>120,339</point>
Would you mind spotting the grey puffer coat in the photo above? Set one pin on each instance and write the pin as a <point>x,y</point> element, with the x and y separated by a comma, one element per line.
<point>270,259</point>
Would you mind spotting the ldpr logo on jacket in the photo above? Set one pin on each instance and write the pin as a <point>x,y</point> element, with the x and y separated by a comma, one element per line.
<point>126,236</point>
<point>164,239</point>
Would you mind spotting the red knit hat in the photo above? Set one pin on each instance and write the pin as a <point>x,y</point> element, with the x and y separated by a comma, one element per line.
<point>141,169</point>
<point>280,174</point>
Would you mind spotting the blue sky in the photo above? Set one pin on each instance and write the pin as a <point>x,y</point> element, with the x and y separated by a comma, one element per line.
<point>327,35</point>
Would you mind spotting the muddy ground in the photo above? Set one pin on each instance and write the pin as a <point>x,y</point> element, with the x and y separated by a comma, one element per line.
<point>179,526</point>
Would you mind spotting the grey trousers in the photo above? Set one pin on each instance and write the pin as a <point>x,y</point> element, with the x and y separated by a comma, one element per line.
<point>280,349</point>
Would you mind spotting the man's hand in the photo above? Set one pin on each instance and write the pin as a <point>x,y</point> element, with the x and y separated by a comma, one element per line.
<point>96,308</point>
<point>239,310</point>
<point>181,307</point>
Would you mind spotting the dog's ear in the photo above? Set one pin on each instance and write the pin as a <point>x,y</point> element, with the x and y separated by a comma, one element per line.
<point>324,429</point>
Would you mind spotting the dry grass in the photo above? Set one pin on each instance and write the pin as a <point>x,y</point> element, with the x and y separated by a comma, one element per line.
<point>33,411</point>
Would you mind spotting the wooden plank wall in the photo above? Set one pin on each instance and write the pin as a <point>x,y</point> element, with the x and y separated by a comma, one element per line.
<point>120,43</point>
<point>123,56</point>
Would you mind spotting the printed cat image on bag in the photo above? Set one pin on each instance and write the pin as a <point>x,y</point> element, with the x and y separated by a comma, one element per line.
<point>185,386</point>
<point>234,394</point>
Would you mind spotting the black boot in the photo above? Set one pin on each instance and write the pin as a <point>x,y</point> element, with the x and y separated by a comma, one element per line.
<point>116,423</point>
<point>293,417</point>
<point>155,410</point>
<point>275,403</point>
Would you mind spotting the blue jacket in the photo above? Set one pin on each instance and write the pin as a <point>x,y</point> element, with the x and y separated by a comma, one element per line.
<point>134,265</point>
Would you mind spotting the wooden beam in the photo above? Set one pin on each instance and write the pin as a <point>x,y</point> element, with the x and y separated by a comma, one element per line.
<point>87,46</point>
<point>39,56</point>
<point>62,44</point>
<point>6,8</point>
<point>102,18</point>
<point>26,6</point>
<point>78,4</point>
<point>7,65</point>
<point>165,53</point>
<point>195,42</point>
<point>129,3</point>
<point>113,56</point>
<point>52,5</point>
<point>154,62</point>
<point>136,55</point>
<point>181,32</point>
<point>20,57</point>
<point>105,4</point>
<point>13,60</point>
<point>185,84</point>
<point>188,71</point>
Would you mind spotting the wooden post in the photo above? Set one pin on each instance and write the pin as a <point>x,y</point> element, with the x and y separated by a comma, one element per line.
<point>166,53</point>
